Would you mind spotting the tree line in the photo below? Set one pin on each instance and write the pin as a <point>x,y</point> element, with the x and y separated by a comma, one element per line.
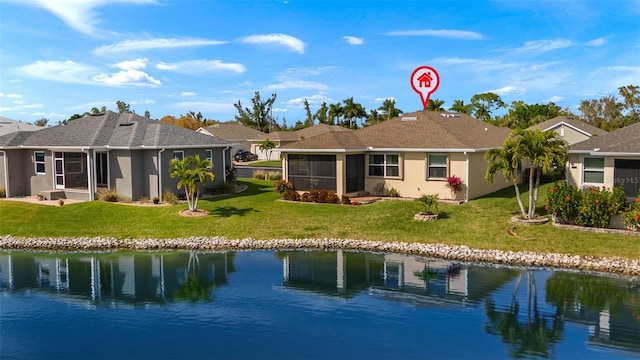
<point>609,112</point>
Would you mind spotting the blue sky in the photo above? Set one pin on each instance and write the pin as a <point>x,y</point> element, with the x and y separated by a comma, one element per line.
<point>60,57</point>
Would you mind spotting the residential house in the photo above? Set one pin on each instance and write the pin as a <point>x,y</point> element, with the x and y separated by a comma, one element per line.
<point>607,160</point>
<point>414,154</point>
<point>234,132</point>
<point>8,126</point>
<point>126,152</point>
<point>571,130</point>
<point>281,138</point>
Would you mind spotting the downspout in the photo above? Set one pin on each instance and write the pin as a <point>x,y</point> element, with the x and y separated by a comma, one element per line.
<point>89,183</point>
<point>466,192</point>
<point>6,173</point>
<point>160,174</point>
<point>224,164</point>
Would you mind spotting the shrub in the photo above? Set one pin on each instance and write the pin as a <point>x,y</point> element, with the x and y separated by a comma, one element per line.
<point>283,187</point>
<point>275,175</point>
<point>595,209</point>
<point>231,174</point>
<point>108,195</point>
<point>454,183</point>
<point>563,202</point>
<point>260,174</point>
<point>631,215</point>
<point>156,200</point>
<point>3,192</point>
<point>143,199</point>
<point>306,197</point>
<point>314,195</point>
<point>169,197</point>
<point>393,192</point>
<point>429,202</point>
<point>291,195</point>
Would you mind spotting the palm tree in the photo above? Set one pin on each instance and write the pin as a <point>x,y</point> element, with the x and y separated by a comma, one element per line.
<point>542,151</point>
<point>352,110</point>
<point>435,105</point>
<point>460,107</point>
<point>192,172</point>
<point>388,109</point>
<point>267,145</point>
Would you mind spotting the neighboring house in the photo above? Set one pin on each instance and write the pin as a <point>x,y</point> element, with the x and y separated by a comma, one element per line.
<point>607,160</point>
<point>571,130</point>
<point>414,154</point>
<point>234,132</point>
<point>281,138</point>
<point>8,126</point>
<point>126,152</point>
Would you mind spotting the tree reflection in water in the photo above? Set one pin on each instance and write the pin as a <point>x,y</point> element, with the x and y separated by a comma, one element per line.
<point>530,335</point>
<point>195,287</point>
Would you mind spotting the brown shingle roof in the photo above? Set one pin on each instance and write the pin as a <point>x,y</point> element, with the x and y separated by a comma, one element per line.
<point>579,125</point>
<point>624,140</point>
<point>418,130</point>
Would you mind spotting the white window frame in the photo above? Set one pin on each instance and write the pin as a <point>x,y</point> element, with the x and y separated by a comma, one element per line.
<point>386,164</point>
<point>180,156</point>
<point>444,166</point>
<point>208,154</point>
<point>586,170</point>
<point>37,162</point>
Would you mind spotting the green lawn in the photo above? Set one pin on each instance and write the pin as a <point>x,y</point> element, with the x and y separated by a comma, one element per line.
<point>257,213</point>
<point>272,163</point>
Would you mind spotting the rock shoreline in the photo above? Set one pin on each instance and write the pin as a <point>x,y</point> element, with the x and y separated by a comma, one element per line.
<point>614,265</point>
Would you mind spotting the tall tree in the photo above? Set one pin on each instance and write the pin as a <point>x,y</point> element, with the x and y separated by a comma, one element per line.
<point>147,114</point>
<point>522,115</point>
<point>374,118</point>
<point>42,122</point>
<point>351,111</point>
<point>460,107</point>
<point>267,145</point>
<point>308,121</point>
<point>192,172</point>
<point>260,116</point>
<point>95,110</point>
<point>322,115</point>
<point>123,107</point>
<point>435,105</point>
<point>631,101</point>
<point>335,113</point>
<point>483,104</point>
<point>388,109</point>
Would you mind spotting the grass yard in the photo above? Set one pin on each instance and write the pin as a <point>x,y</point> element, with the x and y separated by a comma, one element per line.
<point>272,163</point>
<point>257,213</point>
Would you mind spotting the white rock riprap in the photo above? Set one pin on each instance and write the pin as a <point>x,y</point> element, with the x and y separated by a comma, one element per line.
<point>450,252</point>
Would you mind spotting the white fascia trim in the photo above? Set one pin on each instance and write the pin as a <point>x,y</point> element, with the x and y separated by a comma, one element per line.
<point>599,153</point>
<point>570,126</point>
<point>288,150</point>
<point>421,150</point>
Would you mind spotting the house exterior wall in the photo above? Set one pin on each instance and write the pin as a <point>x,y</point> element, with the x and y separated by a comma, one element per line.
<point>121,168</point>
<point>575,169</point>
<point>478,186</point>
<point>21,162</point>
<point>570,135</point>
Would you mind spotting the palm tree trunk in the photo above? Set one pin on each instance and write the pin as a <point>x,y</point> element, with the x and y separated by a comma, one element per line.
<point>531,204</point>
<point>535,193</point>
<point>515,185</point>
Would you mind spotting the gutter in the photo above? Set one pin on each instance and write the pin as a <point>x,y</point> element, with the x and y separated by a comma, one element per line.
<point>160,174</point>
<point>224,164</point>
<point>6,173</point>
<point>466,192</point>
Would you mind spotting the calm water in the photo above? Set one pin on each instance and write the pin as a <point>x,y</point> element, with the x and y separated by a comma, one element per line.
<point>307,305</point>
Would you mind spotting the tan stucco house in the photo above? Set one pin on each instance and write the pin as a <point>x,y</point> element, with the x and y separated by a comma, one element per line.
<point>127,152</point>
<point>281,138</point>
<point>607,160</point>
<point>233,132</point>
<point>571,130</point>
<point>414,154</point>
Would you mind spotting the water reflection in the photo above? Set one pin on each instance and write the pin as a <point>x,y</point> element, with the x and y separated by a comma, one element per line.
<point>527,310</point>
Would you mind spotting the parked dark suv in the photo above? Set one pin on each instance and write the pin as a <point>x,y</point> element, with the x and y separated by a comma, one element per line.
<point>244,155</point>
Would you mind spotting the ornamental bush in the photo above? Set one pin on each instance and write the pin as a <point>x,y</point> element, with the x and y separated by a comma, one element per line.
<point>631,215</point>
<point>595,209</point>
<point>283,187</point>
<point>454,183</point>
<point>563,202</point>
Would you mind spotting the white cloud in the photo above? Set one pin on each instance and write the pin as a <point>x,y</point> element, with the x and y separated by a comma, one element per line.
<point>444,33</point>
<point>508,90</point>
<point>553,99</point>
<point>198,66</point>
<point>298,84</point>
<point>188,93</point>
<point>352,40</point>
<point>381,100</point>
<point>60,71</point>
<point>142,102</point>
<point>544,45</point>
<point>12,96</point>
<point>596,42</point>
<point>79,14</point>
<point>160,43</point>
<point>288,41</point>
<point>132,64</point>
<point>127,77</point>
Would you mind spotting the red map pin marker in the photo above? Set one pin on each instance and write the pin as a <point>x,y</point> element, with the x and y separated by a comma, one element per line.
<point>425,81</point>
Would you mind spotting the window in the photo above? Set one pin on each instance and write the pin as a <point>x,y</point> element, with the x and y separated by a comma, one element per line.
<point>384,165</point>
<point>178,155</point>
<point>208,154</point>
<point>39,161</point>
<point>73,163</point>
<point>437,166</point>
<point>593,170</point>
<point>308,172</point>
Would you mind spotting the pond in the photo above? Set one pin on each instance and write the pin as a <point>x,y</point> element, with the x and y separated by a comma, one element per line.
<point>307,305</point>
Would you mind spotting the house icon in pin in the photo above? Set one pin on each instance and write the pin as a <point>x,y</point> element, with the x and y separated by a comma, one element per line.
<point>425,80</point>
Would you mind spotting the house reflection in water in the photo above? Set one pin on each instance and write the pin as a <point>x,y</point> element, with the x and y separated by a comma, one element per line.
<point>395,276</point>
<point>140,278</point>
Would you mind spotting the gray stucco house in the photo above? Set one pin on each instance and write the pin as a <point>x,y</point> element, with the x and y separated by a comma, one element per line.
<point>127,152</point>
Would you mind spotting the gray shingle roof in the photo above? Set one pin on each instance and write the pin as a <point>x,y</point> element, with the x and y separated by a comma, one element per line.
<point>232,131</point>
<point>8,126</point>
<point>112,130</point>
<point>590,130</point>
<point>624,140</point>
<point>421,130</point>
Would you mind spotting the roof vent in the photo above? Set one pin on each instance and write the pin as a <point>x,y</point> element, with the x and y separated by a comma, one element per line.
<point>126,124</point>
<point>450,115</point>
<point>409,118</point>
